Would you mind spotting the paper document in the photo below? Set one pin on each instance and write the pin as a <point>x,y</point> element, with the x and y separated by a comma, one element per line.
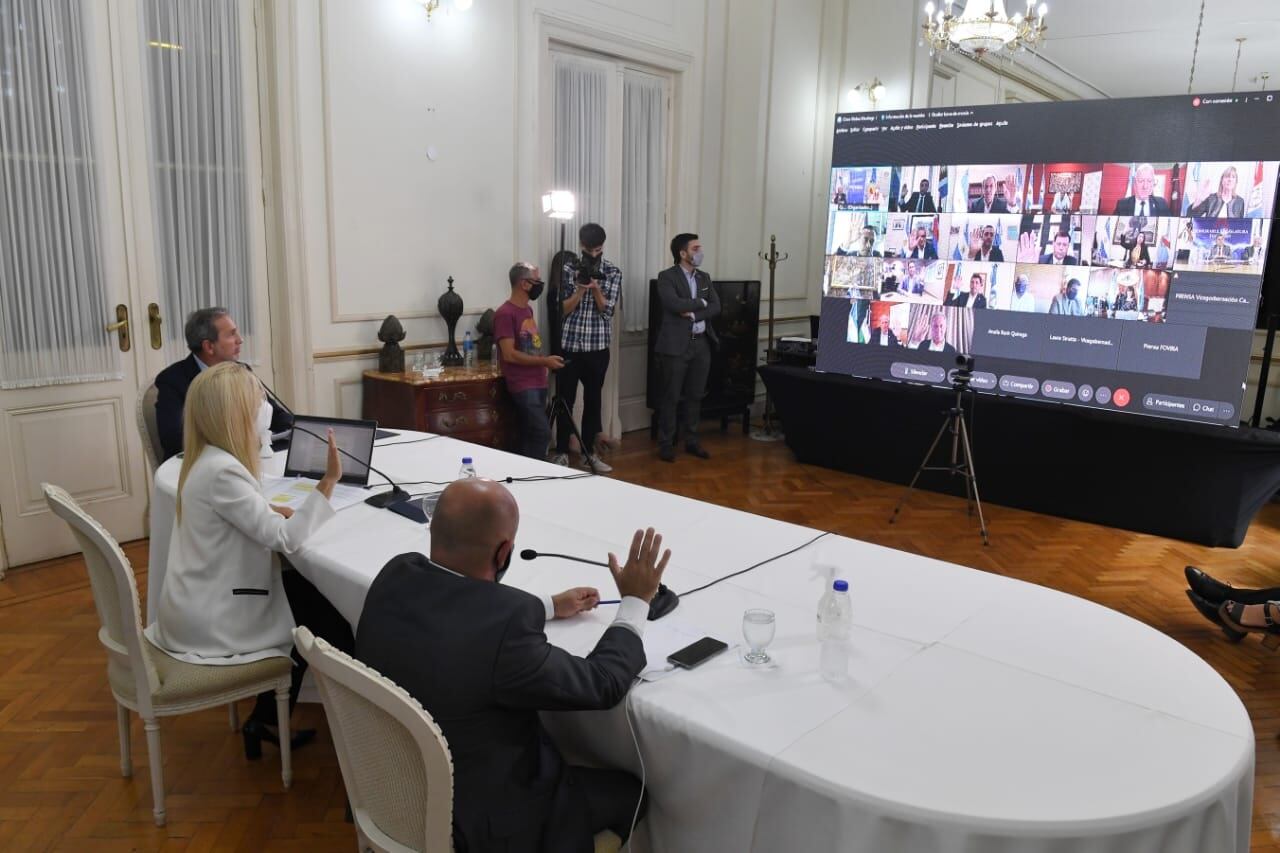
<point>292,491</point>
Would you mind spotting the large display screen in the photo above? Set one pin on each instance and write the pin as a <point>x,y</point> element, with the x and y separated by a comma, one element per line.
<point>1099,253</point>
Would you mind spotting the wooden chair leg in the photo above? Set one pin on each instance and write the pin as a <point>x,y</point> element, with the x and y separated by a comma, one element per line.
<point>126,757</point>
<point>282,726</point>
<point>157,769</point>
<point>233,717</point>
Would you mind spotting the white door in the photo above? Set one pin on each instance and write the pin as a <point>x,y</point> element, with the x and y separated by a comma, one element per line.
<point>100,143</point>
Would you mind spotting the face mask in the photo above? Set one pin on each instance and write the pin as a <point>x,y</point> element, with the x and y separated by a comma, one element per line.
<point>497,576</point>
<point>695,259</point>
<point>535,291</point>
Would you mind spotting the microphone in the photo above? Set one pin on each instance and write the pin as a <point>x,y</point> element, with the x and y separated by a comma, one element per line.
<point>664,600</point>
<point>381,499</point>
<point>272,394</point>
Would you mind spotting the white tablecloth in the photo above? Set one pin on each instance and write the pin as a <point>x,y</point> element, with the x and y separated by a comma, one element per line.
<point>983,714</point>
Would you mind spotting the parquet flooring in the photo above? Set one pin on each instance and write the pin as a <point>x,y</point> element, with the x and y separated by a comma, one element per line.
<point>60,785</point>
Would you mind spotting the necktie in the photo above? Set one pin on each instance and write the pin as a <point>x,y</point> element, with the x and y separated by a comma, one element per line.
<point>1142,210</point>
<point>919,204</point>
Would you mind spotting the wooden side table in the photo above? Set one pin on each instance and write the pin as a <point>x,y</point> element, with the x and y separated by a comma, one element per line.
<point>470,404</point>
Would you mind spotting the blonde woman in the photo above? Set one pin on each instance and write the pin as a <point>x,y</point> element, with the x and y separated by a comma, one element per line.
<point>1224,203</point>
<point>223,600</point>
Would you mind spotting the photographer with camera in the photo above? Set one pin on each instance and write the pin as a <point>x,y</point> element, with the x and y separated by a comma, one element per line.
<point>589,294</point>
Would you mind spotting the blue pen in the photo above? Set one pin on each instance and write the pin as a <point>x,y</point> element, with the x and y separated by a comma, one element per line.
<point>611,601</point>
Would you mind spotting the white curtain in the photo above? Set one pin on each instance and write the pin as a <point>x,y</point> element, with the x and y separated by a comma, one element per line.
<point>195,121</point>
<point>581,166</point>
<point>644,191</point>
<point>54,305</point>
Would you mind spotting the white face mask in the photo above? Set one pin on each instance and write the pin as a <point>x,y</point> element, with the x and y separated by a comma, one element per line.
<point>695,260</point>
<point>263,426</point>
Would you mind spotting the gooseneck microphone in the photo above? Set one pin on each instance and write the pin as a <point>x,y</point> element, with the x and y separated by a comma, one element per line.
<point>381,499</point>
<point>664,600</point>
<point>272,394</point>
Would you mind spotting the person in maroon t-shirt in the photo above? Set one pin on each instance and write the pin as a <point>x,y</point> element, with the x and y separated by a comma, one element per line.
<point>515,329</point>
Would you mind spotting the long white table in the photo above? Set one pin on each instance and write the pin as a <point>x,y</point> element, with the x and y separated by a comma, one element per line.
<point>982,713</point>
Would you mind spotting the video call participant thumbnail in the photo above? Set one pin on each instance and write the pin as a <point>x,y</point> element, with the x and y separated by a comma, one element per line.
<point>1068,302</point>
<point>982,245</point>
<point>1060,254</point>
<point>936,339</point>
<point>974,297</point>
<point>1143,202</point>
<point>988,202</point>
<point>1225,202</point>
<point>921,201</point>
<point>921,246</point>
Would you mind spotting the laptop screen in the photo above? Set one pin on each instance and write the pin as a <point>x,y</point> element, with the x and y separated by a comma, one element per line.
<point>309,451</point>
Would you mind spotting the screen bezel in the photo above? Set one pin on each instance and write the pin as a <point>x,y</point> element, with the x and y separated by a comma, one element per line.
<point>317,425</point>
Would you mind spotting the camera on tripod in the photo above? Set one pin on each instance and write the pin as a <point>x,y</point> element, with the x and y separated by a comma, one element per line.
<point>588,269</point>
<point>963,374</point>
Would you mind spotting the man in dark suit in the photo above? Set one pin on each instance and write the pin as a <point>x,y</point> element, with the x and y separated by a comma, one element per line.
<point>883,336</point>
<point>1059,256</point>
<point>213,338</point>
<point>982,246</point>
<point>922,247</point>
<point>683,345</point>
<point>937,339</point>
<point>921,201</point>
<point>474,653</point>
<point>1143,202</point>
<point>988,203</point>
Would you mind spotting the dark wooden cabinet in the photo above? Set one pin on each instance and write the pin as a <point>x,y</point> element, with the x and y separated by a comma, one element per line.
<point>470,404</point>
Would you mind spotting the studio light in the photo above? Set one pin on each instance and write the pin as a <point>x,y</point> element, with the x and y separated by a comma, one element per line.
<point>559,204</point>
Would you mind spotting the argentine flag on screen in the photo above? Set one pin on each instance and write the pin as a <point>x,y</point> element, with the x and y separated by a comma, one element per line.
<point>1102,244</point>
<point>1255,195</point>
<point>1192,181</point>
<point>956,254</point>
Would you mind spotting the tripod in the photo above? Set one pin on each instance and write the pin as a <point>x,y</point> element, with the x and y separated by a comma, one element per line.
<point>961,459</point>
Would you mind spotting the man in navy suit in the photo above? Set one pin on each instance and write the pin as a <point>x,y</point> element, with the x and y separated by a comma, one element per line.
<point>921,246</point>
<point>988,203</point>
<point>1143,202</point>
<point>213,338</point>
<point>921,201</point>
<point>475,653</point>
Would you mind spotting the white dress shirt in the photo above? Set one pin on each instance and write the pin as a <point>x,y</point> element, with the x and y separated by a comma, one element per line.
<point>1025,302</point>
<point>699,326</point>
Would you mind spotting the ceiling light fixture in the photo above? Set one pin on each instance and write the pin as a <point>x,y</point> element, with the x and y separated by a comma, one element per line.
<point>982,26</point>
<point>432,5</point>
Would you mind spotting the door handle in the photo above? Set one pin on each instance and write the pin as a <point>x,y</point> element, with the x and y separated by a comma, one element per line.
<point>121,326</point>
<point>153,320</point>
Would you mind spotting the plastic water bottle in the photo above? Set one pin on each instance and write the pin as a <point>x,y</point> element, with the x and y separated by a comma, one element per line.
<point>468,469</point>
<point>835,622</point>
<point>468,351</point>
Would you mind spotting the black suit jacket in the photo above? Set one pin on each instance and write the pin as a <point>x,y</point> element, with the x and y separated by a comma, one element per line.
<point>475,655</point>
<point>927,207</point>
<point>673,292</point>
<point>1212,206</point>
<point>171,395</point>
<point>1157,206</point>
<point>1069,260</point>
<point>997,206</point>
<point>996,255</point>
<point>930,253</point>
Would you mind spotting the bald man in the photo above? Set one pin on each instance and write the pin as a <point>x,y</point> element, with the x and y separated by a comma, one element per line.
<point>474,653</point>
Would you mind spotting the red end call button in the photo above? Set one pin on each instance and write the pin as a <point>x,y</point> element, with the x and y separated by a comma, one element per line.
<point>1121,397</point>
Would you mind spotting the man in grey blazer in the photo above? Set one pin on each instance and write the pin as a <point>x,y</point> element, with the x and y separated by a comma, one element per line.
<point>683,346</point>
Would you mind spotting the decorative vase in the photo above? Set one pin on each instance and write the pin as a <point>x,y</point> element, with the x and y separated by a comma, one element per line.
<point>450,307</point>
<point>391,357</point>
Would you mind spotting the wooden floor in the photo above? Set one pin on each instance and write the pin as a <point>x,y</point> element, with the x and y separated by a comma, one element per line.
<point>60,786</point>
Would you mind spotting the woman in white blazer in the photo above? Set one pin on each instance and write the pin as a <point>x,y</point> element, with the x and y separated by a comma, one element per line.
<point>223,600</point>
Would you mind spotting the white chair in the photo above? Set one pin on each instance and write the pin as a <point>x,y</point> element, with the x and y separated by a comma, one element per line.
<point>142,677</point>
<point>149,429</point>
<point>395,762</point>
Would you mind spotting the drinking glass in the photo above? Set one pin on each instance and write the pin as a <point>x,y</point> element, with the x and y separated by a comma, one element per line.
<point>757,630</point>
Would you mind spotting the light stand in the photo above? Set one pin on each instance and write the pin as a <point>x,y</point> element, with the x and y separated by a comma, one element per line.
<point>558,204</point>
<point>769,430</point>
<point>961,463</point>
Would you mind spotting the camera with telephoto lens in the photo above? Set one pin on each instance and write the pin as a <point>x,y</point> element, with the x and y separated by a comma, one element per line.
<point>589,269</point>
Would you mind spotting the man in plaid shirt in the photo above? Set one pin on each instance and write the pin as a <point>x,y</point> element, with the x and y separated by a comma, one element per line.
<point>589,292</point>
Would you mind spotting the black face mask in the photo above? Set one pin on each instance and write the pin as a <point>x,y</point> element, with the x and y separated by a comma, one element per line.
<point>497,576</point>
<point>536,290</point>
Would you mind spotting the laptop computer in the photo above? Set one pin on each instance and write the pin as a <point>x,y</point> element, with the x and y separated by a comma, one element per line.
<point>309,449</point>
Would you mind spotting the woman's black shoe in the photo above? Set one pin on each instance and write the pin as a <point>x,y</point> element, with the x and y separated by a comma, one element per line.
<point>1210,611</point>
<point>255,732</point>
<point>1210,589</point>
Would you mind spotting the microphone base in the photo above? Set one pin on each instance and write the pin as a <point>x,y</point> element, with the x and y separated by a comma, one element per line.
<point>382,500</point>
<point>663,603</point>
